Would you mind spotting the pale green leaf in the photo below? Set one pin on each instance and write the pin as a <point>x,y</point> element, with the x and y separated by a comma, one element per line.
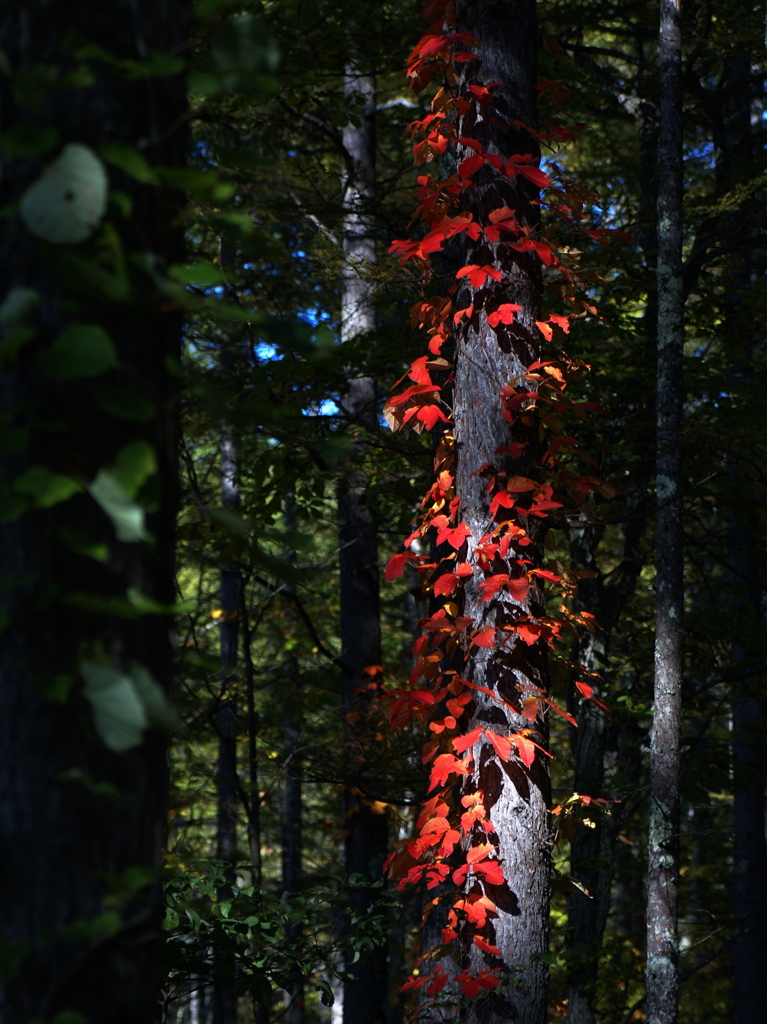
<point>126,515</point>
<point>119,714</point>
<point>67,202</point>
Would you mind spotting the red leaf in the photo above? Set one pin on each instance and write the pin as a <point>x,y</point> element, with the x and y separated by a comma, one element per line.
<point>489,588</point>
<point>455,537</point>
<point>486,947</point>
<point>396,565</point>
<point>501,499</point>
<point>530,632</point>
<point>501,744</point>
<point>543,251</point>
<point>445,584</point>
<point>545,574</point>
<point>518,588</point>
<point>484,638</point>
<point>470,986</point>
<point>418,371</point>
<point>464,569</point>
<point>470,165</point>
<point>535,175</point>
<point>504,314</point>
<point>565,714</point>
<point>478,275</point>
<point>584,689</point>
<point>430,415</point>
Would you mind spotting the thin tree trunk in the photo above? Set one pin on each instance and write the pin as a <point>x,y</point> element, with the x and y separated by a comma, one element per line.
<point>292,843</point>
<point>225,997</point>
<point>486,361</point>
<point>292,807</point>
<point>734,163</point>
<point>592,850</point>
<point>364,991</point>
<point>78,818</point>
<point>226,713</point>
<point>663,841</point>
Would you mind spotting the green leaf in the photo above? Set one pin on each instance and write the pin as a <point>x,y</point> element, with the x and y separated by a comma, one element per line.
<point>198,275</point>
<point>24,140</point>
<point>129,160</point>
<point>135,463</point>
<point>67,202</point>
<point>81,350</point>
<point>102,270</point>
<point>18,304</point>
<point>126,515</point>
<point>119,714</point>
<point>45,487</point>
<point>158,710</point>
<point>154,64</point>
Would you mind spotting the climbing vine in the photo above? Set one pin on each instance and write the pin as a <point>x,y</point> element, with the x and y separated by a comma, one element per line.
<point>540,477</point>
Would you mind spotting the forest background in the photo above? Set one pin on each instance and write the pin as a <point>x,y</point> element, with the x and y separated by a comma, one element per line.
<point>251,167</point>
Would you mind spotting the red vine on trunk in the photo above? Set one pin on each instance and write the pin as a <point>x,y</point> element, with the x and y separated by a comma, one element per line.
<point>451,842</point>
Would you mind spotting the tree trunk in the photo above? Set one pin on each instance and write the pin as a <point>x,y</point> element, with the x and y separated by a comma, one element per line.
<point>292,822</point>
<point>663,843</point>
<point>734,165</point>
<point>82,782</point>
<point>364,991</point>
<point>226,716</point>
<point>487,360</point>
<point>592,850</point>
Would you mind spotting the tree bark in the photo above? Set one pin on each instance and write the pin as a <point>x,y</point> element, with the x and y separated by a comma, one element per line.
<point>226,720</point>
<point>365,990</point>
<point>733,145</point>
<point>663,844</point>
<point>81,825</point>
<point>595,741</point>
<point>487,360</point>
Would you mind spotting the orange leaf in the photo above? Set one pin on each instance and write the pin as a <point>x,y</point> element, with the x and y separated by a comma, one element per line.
<point>446,765</point>
<point>525,749</point>
<point>501,744</point>
<point>492,871</point>
<point>502,213</point>
<point>461,743</point>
